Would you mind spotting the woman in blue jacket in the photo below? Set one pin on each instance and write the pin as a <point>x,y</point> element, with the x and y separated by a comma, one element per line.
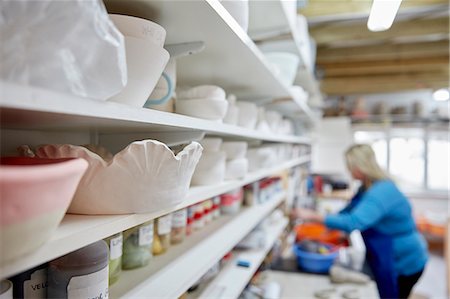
<point>396,252</point>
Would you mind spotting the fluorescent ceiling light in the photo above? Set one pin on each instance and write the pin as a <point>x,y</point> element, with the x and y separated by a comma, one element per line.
<point>382,14</point>
<point>441,95</point>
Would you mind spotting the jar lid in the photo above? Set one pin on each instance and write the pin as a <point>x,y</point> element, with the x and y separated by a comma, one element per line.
<point>93,254</point>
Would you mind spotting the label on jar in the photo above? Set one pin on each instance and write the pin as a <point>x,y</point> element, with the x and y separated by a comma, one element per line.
<point>179,218</point>
<point>91,286</point>
<point>115,247</point>
<point>164,224</point>
<point>36,287</point>
<point>146,234</point>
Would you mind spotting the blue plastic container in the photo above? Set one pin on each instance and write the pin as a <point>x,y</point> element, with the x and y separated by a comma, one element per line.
<point>314,262</point>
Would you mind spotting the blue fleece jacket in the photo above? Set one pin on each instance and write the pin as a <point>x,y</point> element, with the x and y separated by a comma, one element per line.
<point>384,208</point>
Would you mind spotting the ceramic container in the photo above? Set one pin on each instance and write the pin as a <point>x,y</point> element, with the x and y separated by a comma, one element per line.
<point>202,92</point>
<point>248,114</point>
<point>145,63</point>
<point>144,177</point>
<point>34,196</point>
<point>234,149</point>
<point>202,108</point>
<point>210,169</point>
<point>140,28</point>
<point>262,124</point>
<point>211,144</point>
<point>260,158</point>
<point>274,119</point>
<point>162,96</point>
<point>236,169</point>
<point>287,63</point>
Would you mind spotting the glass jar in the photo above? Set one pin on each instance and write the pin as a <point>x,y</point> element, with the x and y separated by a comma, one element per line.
<point>137,246</point>
<point>179,223</point>
<point>80,274</point>
<point>163,226</point>
<point>115,244</point>
<point>31,284</point>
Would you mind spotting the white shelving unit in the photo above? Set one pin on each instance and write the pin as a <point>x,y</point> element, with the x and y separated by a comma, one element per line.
<point>171,274</point>
<point>271,20</point>
<point>232,279</point>
<point>77,231</point>
<point>24,108</point>
<point>231,60</point>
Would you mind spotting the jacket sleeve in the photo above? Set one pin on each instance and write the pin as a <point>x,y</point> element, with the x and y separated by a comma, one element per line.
<point>368,212</point>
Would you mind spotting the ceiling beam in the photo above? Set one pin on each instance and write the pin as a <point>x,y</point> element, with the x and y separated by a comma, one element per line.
<point>384,83</point>
<point>383,52</point>
<point>317,8</point>
<point>332,33</point>
<point>339,69</point>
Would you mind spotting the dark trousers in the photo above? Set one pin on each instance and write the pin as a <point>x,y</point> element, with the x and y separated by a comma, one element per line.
<point>406,283</point>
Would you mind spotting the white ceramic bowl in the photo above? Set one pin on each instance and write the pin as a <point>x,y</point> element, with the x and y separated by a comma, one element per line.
<point>236,169</point>
<point>202,108</point>
<point>210,169</point>
<point>144,177</point>
<point>235,149</point>
<point>140,28</point>
<point>211,144</point>
<point>145,63</point>
<point>287,63</point>
<point>232,116</point>
<point>202,92</point>
<point>248,114</point>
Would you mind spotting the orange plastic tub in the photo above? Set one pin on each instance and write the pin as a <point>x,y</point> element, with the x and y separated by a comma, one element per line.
<point>319,232</point>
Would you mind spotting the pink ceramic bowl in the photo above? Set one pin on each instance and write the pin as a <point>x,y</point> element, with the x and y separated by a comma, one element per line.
<point>34,196</point>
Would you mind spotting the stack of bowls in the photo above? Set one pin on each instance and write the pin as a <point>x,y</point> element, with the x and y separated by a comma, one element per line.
<point>204,101</point>
<point>146,57</point>
<point>237,163</point>
<point>210,169</point>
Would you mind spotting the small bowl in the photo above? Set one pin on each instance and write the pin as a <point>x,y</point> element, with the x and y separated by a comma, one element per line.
<point>140,28</point>
<point>34,196</point>
<point>210,169</point>
<point>248,114</point>
<point>235,149</point>
<point>145,62</point>
<point>202,108</point>
<point>202,92</point>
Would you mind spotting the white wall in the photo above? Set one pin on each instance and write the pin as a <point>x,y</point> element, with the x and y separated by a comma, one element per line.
<point>331,138</point>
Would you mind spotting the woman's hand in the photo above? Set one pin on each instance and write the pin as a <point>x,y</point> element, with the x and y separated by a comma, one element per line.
<point>307,215</point>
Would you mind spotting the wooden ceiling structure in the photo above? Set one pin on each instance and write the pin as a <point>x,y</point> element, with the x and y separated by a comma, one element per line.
<point>412,54</point>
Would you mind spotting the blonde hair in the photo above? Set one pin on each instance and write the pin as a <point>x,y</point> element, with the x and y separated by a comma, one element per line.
<point>362,157</point>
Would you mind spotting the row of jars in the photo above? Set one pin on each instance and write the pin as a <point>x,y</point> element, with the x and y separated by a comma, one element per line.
<point>89,271</point>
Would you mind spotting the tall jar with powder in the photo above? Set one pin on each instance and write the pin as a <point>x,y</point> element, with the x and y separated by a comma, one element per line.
<point>137,246</point>
<point>163,226</point>
<point>179,223</point>
<point>115,244</point>
<point>80,274</point>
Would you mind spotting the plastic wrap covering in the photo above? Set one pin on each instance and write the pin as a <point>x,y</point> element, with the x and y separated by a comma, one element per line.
<point>67,46</point>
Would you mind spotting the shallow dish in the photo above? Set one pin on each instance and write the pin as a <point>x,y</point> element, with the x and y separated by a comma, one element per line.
<point>140,28</point>
<point>202,108</point>
<point>145,63</point>
<point>144,177</point>
<point>202,92</point>
<point>34,196</point>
